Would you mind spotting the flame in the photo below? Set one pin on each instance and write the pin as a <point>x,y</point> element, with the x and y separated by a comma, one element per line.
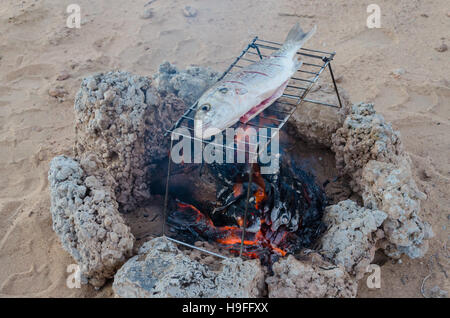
<point>260,194</point>
<point>231,236</point>
<point>237,189</point>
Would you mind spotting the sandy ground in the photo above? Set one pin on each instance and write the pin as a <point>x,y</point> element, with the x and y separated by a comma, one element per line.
<point>36,47</point>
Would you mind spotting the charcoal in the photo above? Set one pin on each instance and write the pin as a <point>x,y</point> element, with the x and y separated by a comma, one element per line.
<point>284,212</point>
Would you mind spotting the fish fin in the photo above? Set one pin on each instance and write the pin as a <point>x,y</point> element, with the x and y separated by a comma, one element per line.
<point>296,37</point>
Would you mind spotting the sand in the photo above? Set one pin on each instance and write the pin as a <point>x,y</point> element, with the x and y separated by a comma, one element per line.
<point>397,67</point>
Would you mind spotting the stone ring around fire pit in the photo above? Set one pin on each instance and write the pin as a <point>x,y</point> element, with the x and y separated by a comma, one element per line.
<point>119,146</point>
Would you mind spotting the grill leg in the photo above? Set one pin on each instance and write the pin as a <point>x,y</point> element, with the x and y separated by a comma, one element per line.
<point>166,196</point>
<point>250,179</point>
<point>335,86</point>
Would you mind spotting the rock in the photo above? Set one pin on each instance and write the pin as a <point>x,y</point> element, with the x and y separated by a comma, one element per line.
<point>187,84</point>
<point>391,188</point>
<point>436,292</point>
<point>147,14</point>
<point>311,277</point>
<point>317,123</point>
<point>398,72</point>
<point>86,220</point>
<point>63,76</point>
<point>351,236</point>
<point>240,279</point>
<point>442,48</point>
<point>57,92</point>
<point>162,270</point>
<point>370,151</point>
<point>189,12</point>
<point>364,136</point>
<point>121,118</point>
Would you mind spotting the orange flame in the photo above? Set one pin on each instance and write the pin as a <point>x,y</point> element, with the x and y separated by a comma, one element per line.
<point>232,235</point>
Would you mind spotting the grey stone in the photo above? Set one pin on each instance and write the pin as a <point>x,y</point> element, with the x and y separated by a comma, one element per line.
<point>86,220</point>
<point>370,151</point>
<point>391,188</point>
<point>121,118</point>
<point>351,236</point>
<point>189,12</point>
<point>311,277</point>
<point>187,84</point>
<point>162,270</point>
<point>315,123</point>
<point>364,136</point>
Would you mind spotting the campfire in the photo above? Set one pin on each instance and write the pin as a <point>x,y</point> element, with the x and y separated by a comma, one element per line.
<point>284,212</point>
<point>254,214</point>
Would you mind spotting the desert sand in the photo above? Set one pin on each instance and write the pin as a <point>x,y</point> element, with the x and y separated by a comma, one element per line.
<point>402,67</point>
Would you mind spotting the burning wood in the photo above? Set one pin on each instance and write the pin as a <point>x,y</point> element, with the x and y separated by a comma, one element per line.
<point>284,212</point>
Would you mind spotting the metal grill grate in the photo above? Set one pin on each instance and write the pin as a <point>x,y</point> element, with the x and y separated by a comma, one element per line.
<point>272,118</point>
<point>275,116</point>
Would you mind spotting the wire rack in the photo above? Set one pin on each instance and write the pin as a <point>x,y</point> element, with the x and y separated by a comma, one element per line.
<point>275,116</point>
<point>272,118</point>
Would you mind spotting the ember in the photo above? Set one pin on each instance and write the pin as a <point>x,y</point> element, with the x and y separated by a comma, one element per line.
<point>284,212</point>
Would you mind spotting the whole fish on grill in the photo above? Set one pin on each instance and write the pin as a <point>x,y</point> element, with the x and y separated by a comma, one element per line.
<point>244,94</point>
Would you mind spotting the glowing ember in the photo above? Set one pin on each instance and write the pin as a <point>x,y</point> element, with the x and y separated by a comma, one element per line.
<point>284,214</point>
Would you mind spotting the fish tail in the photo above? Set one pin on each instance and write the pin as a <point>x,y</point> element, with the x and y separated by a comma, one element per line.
<point>296,38</point>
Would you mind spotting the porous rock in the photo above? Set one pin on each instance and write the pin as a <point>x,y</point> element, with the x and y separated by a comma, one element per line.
<point>86,219</point>
<point>122,119</point>
<point>187,84</point>
<point>162,270</point>
<point>370,151</point>
<point>364,136</point>
<point>311,277</point>
<point>351,237</point>
<point>391,188</point>
<point>316,123</point>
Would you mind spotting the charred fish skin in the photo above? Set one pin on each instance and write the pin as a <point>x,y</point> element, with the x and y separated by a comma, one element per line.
<point>250,90</point>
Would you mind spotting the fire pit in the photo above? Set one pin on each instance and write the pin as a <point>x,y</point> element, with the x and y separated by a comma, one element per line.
<point>343,190</point>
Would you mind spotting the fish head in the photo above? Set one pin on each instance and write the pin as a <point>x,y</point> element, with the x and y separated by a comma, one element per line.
<point>215,111</point>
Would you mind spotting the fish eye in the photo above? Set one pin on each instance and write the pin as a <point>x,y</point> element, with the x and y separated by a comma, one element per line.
<point>206,107</point>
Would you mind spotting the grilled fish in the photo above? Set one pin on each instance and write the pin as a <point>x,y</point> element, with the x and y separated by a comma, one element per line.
<point>244,94</point>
